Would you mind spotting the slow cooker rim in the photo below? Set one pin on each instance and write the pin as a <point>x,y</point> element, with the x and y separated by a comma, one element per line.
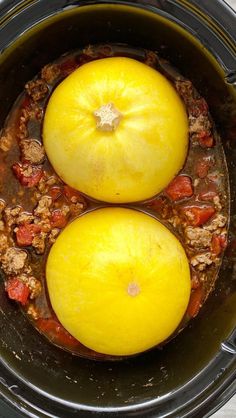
<point>221,35</point>
<point>226,389</point>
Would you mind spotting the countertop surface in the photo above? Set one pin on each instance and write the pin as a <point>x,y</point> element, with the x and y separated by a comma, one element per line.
<point>228,411</point>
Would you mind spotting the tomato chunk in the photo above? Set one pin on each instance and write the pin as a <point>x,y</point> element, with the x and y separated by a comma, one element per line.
<point>180,188</point>
<point>26,233</point>
<point>195,302</point>
<point>57,332</point>
<point>205,139</point>
<point>198,215</point>
<point>17,290</point>
<point>58,219</point>
<point>218,244</point>
<point>28,175</point>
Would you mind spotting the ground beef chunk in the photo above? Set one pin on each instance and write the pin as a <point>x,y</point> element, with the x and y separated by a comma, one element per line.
<point>43,208</point>
<point>217,223</point>
<point>24,218</point>
<point>201,261</point>
<point>50,73</point>
<point>13,261</point>
<point>175,220</point>
<point>217,203</point>
<point>37,89</point>
<point>46,182</point>
<point>11,215</point>
<point>3,243</point>
<point>198,237</point>
<point>43,216</point>
<point>185,89</point>
<point>6,140</point>
<point>32,151</point>
<point>199,124</point>
<point>76,209</point>
<point>2,226</point>
<point>32,311</point>
<point>23,129</point>
<point>53,235</point>
<point>65,209</point>
<point>34,112</point>
<point>39,242</point>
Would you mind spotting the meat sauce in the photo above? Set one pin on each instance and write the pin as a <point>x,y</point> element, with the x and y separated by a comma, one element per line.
<point>35,205</point>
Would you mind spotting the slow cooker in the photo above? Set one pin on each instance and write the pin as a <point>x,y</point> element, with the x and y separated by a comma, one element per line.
<point>195,373</point>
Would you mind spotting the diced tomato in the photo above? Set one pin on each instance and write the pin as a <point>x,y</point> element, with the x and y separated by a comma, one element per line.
<point>195,302</point>
<point>57,332</point>
<point>205,139</point>
<point>27,180</point>
<point>198,107</point>
<point>55,192</point>
<point>72,195</point>
<point>58,219</point>
<point>26,233</point>
<point>202,166</point>
<point>198,215</point>
<point>218,244</point>
<point>180,188</point>
<point>17,290</point>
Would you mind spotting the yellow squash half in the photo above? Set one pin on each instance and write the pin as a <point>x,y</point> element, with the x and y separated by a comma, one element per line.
<point>116,130</point>
<point>118,280</point>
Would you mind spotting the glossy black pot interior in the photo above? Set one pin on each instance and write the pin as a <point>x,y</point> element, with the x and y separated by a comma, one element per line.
<point>195,372</point>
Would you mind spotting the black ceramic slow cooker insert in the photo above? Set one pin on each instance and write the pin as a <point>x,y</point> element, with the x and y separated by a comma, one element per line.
<point>195,373</point>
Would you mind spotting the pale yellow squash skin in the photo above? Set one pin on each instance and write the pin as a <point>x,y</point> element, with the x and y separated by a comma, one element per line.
<point>118,280</point>
<point>141,156</point>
